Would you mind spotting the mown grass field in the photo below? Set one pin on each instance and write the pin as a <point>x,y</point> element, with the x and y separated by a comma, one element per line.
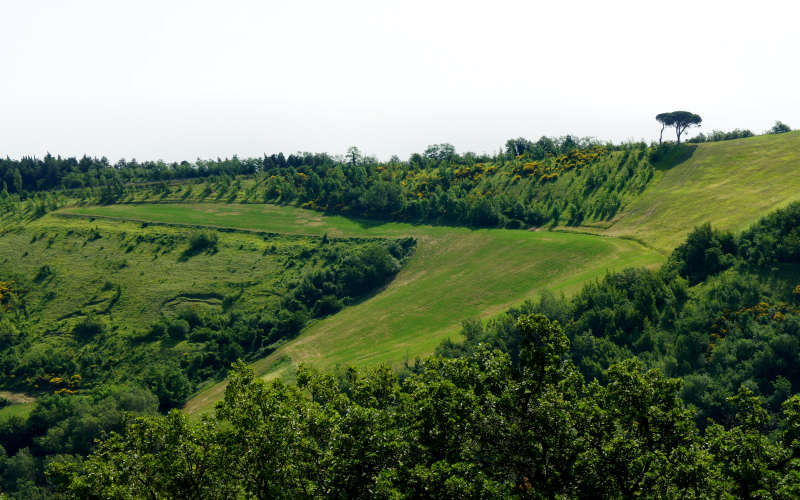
<point>456,274</point>
<point>729,184</point>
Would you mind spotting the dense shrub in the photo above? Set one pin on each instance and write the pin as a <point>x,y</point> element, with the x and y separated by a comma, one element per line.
<point>706,252</point>
<point>779,128</point>
<point>169,383</point>
<point>718,135</point>
<point>43,273</point>
<point>200,242</point>
<point>774,239</point>
<point>88,328</point>
<point>178,329</point>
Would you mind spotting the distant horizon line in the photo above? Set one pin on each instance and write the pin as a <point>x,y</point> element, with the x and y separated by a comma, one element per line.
<point>341,156</point>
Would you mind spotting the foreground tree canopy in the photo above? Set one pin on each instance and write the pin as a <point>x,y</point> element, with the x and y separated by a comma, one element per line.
<point>681,120</point>
<point>474,427</point>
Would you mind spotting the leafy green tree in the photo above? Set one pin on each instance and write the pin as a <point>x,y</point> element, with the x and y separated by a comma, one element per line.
<point>681,120</point>
<point>751,463</point>
<point>518,146</point>
<point>159,457</point>
<point>440,152</point>
<point>18,473</point>
<point>353,156</point>
<point>169,383</point>
<point>706,252</point>
<point>779,128</point>
<point>384,199</point>
<point>16,181</point>
<point>272,449</point>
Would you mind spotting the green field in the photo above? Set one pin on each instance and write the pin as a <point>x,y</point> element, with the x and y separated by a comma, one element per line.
<point>125,278</point>
<point>20,405</point>
<point>456,274</point>
<point>21,410</point>
<point>729,184</point>
<point>136,274</point>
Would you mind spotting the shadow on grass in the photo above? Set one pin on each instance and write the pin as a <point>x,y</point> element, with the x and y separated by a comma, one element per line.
<point>370,223</point>
<point>669,155</point>
<point>191,252</point>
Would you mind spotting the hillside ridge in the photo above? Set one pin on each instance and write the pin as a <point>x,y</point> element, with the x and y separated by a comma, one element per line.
<point>729,184</point>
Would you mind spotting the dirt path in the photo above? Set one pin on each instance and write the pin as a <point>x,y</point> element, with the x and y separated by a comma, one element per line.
<point>17,397</point>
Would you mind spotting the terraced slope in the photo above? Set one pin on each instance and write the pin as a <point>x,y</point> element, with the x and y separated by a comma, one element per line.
<point>729,184</point>
<point>456,273</point>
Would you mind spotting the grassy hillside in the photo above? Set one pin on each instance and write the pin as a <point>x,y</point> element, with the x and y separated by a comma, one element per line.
<point>16,405</point>
<point>729,184</point>
<point>456,274</point>
<point>104,301</point>
<point>85,263</point>
<point>453,277</point>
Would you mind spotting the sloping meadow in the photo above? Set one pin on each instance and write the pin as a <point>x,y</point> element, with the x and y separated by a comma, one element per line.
<point>100,301</point>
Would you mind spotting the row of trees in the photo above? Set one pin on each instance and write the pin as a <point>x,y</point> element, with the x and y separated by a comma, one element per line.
<point>519,191</point>
<point>53,172</point>
<point>719,135</point>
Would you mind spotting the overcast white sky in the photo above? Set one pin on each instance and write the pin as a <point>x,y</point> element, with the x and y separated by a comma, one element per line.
<point>186,79</point>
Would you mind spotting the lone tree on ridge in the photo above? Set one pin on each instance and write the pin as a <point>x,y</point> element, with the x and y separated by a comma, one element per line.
<point>681,120</point>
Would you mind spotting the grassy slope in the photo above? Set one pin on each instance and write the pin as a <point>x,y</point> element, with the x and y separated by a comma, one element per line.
<point>21,405</point>
<point>130,276</point>
<point>154,280</point>
<point>21,410</point>
<point>729,184</point>
<point>456,274</point>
